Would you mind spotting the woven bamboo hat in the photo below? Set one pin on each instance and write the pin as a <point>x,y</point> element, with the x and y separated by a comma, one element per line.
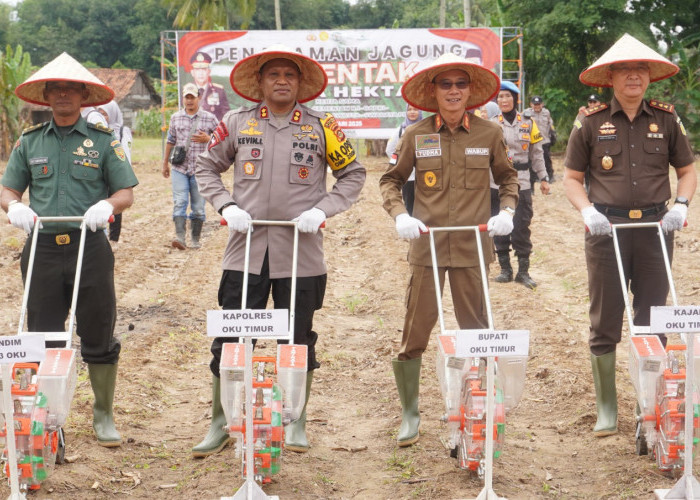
<point>244,74</point>
<point>64,69</point>
<point>627,49</point>
<point>484,83</point>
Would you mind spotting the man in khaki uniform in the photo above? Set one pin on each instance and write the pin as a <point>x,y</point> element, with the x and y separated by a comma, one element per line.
<point>453,153</point>
<point>624,150</point>
<point>280,151</point>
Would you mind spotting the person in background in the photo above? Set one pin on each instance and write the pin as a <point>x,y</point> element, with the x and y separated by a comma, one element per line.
<point>413,115</point>
<point>544,121</point>
<point>190,128</point>
<point>279,152</point>
<point>524,143</point>
<point>213,96</point>
<point>71,168</point>
<point>451,152</point>
<point>593,101</point>
<point>623,149</point>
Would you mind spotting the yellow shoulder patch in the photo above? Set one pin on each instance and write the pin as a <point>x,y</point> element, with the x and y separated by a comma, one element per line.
<point>339,151</point>
<point>100,127</point>
<point>595,109</point>
<point>663,106</point>
<point>34,127</point>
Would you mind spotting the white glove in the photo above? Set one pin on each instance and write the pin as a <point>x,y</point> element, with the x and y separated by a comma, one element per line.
<point>409,228</point>
<point>236,218</point>
<point>310,220</point>
<point>500,225</point>
<point>97,216</point>
<point>674,218</point>
<point>597,223</point>
<point>21,216</point>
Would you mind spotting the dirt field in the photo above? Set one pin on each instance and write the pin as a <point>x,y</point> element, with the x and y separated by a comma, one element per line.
<point>163,397</point>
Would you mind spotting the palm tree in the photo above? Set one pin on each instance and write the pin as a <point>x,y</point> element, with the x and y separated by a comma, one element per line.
<point>210,14</point>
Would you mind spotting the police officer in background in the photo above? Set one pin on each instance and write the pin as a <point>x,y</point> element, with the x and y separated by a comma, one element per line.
<point>212,96</point>
<point>72,168</point>
<point>544,121</point>
<point>279,150</point>
<point>524,142</point>
<point>624,150</point>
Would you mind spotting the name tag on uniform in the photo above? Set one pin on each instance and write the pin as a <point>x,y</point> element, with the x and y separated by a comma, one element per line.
<point>476,151</point>
<point>38,161</point>
<point>428,145</point>
<point>653,135</point>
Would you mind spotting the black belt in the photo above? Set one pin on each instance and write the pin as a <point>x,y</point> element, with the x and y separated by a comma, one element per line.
<point>521,166</point>
<point>632,213</point>
<point>65,238</point>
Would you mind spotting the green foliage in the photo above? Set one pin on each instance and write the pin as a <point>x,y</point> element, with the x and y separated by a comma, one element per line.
<point>15,67</point>
<point>211,14</point>
<point>302,14</point>
<point>150,123</point>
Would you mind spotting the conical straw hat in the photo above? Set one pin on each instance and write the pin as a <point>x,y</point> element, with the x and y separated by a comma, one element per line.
<point>64,69</point>
<point>244,74</point>
<point>484,83</point>
<point>627,49</point>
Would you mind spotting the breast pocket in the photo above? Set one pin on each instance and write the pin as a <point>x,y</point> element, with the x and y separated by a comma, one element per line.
<point>657,153</point>
<point>305,166</point>
<point>249,162</point>
<point>42,181</point>
<point>606,155</point>
<point>87,182</point>
<point>476,172</point>
<point>429,174</point>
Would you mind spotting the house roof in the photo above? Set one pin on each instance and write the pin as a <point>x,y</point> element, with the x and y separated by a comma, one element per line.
<point>122,80</point>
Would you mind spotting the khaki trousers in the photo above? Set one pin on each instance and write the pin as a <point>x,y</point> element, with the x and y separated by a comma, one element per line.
<point>422,311</point>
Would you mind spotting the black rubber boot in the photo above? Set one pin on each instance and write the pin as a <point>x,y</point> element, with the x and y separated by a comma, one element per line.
<point>523,276</point>
<point>196,232</point>
<point>506,269</point>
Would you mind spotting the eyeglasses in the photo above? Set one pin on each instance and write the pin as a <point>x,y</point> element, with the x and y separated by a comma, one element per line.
<point>448,84</point>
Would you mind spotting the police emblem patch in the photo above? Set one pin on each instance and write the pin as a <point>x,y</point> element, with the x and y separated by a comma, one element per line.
<point>430,178</point>
<point>653,127</point>
<point>255,153</point>
<point>298,156</point>
<point>303,172</point>
<point>88,143</point>
<point>248,168</point>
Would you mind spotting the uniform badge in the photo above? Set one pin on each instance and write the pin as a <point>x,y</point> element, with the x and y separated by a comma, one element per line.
<point>88,143</point>
<point>93,154</point>
<point>607,162</point>
<point>255,153</point>
<point>63,239</point>
<point>80,151</point>
<point>525,137</point>
<point>313,137</point>
<point>252,128</point>
<point>524,146</point>
<point>119,151</point>
<point>680,124</point>
<point>213,99</point>
<point>298,156</point>
<point>248,168</point>
<point>653,127</point>
<point>299,136</point>
<point>264,113</point>
<point>219,134</point>
<point>296,116</point>
<point>430,178</point>
<point>607,128</point>
<point>45,170</point>
<point>310,160</point>
<point>428,145</point>
<point>303,172</point>
<point>307,128</point>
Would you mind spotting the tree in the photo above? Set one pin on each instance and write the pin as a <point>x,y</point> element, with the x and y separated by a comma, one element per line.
<point>15,67</point>
<point>211,14</point>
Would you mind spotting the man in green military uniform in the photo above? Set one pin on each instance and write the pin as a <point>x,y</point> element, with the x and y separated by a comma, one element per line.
<point>72,168</point>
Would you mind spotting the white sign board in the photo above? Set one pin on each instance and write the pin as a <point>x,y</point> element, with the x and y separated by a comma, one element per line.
<point>252,323</point>
<point>22,348</point>
<point>483,343</point>
<point>675,319</point>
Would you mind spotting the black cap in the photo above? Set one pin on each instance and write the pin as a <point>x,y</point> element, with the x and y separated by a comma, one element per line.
<point>593,97</point>
<point>200,60</point>
<point>535,99</point>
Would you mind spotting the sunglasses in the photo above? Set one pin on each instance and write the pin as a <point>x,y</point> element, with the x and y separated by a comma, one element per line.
<point>448,84</point>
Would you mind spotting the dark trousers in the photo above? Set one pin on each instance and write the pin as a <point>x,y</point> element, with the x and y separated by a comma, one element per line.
<point>645,276</point>
<point>309,298</point>
<point>115,228</point>
<point>547,162</point>
<point>519,239</point>
<point>51,291</point>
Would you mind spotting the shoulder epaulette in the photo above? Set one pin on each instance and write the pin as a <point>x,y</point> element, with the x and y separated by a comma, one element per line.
<point>243,109</point>
<point>663,106</point>
<point>317,114</point>
<point>100,127</point>
<point>595,109</point>
<point>217,85</point>
<point>34,127</point>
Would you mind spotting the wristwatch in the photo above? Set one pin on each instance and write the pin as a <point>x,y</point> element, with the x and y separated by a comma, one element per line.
<point>682,200</point>
<point>228,204</point>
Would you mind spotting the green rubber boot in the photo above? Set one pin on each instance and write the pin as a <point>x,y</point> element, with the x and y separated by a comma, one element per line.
<point>103,378</point>
<point>605,394</point>
<point>217,438</point>
<point>196,232</point>
<point>180,225</point>
<point>295,432</point>
<point>407,375</point>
